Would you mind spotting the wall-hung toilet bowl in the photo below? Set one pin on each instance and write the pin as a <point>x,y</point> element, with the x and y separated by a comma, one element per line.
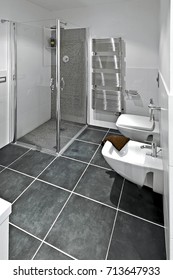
<point>138,128</point>
<point>136,164</point>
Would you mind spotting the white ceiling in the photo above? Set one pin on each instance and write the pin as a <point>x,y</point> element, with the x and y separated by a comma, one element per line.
<point>67,4</point>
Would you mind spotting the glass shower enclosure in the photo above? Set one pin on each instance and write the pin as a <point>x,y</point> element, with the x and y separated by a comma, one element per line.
<point>51,84</point>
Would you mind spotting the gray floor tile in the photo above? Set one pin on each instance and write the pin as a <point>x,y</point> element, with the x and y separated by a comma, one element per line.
<point>48,253</point>
<point>10,153</point>
<point>63,172</point>
<point>45,135</point>
<point>83,229</point>
<point>81,151</point>
<point>114,131</point>
<point>102,185</point>
<point>99,159</point>
<point>98,127</point>
<point>37,208</point>
<point>135,239</point>
<point>1,168</point>
<point>12,184</point>
<point>32,163</point>
<point>92,135</point>
<point>22,246</point>
<point>142,202</point>
<point>69,129</point>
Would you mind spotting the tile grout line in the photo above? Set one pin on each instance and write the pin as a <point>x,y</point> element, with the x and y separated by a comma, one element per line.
<point>39,239</point>
<point>3,168</point>
<point>96,201</point>
<point>74,159</point>
<point>19,158</point>
<point>53,185</point>
<point>64,204</point>
<point>51,226</point>
<point>19,172</point>
<point>35,178</point>
<point>59,250</point>
<point>102,167</point>
<point>115,219</point>
<point>87,142</point>
<point>140,218</point>
<point>97,129</point>
<point>7,167</point>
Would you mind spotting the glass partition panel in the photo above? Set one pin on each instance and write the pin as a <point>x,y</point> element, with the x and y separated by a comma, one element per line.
<point>51,71</point>
<point>35,85</point>
<point>73,81</point>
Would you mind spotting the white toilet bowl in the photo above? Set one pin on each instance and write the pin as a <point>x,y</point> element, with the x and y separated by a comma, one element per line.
<point>138,128</point>
<point>136,164</point>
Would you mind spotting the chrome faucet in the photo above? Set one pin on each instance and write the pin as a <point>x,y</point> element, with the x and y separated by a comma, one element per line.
<point>153,147</point>
<point>152,107</point>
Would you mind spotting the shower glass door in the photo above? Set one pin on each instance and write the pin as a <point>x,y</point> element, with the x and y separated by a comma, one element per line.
<point>35,50</point>
<point>72,76</point>
<point>51,84</point>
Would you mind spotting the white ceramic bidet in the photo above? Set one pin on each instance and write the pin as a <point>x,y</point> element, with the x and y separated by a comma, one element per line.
<point>135,163</point>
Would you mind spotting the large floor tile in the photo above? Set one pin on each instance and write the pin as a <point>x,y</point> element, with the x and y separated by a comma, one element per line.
<point>142,202</point>
<point>48,253</point>
<point>10,153</point>
<point>114,131</point>
<point>135,239</point>
<point>69,129</point>
<point>32,163</point>
<point>100,184</point>
<point>12,184</point>
<point>83,229</point>
<point>92,135</point>
<point>81,151</point>
<point>1,168</point>
<point>22,246</point>
<point>98,127</point>
<point>99,159</point>
<point>37,208</point>
<point>63,172</point>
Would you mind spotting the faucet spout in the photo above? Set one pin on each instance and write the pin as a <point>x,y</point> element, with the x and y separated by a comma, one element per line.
<point>153,147</point>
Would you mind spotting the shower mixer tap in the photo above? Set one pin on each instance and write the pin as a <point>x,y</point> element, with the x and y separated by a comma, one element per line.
<point>52,85</point>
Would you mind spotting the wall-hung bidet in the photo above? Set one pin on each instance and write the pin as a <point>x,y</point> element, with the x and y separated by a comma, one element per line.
<point>137,162</point>
<point>140,128</point>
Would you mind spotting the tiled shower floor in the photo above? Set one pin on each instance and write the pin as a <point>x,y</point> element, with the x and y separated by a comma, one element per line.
<point>45,135</point>
<point>75,207</point>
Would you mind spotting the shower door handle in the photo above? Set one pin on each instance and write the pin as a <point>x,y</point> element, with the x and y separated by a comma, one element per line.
<point>52,85</point>
<point>62,84</point>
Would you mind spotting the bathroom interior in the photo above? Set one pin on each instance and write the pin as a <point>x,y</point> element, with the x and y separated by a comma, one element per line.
<point>71,74</point>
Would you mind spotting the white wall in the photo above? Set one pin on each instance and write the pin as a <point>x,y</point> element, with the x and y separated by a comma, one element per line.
<point>4,97</point>
<point>137,22</point>
<point>22,11</point>
<point>166,94</point>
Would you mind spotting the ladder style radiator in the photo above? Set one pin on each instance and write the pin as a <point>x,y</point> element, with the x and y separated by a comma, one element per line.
<point>108,73</point>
